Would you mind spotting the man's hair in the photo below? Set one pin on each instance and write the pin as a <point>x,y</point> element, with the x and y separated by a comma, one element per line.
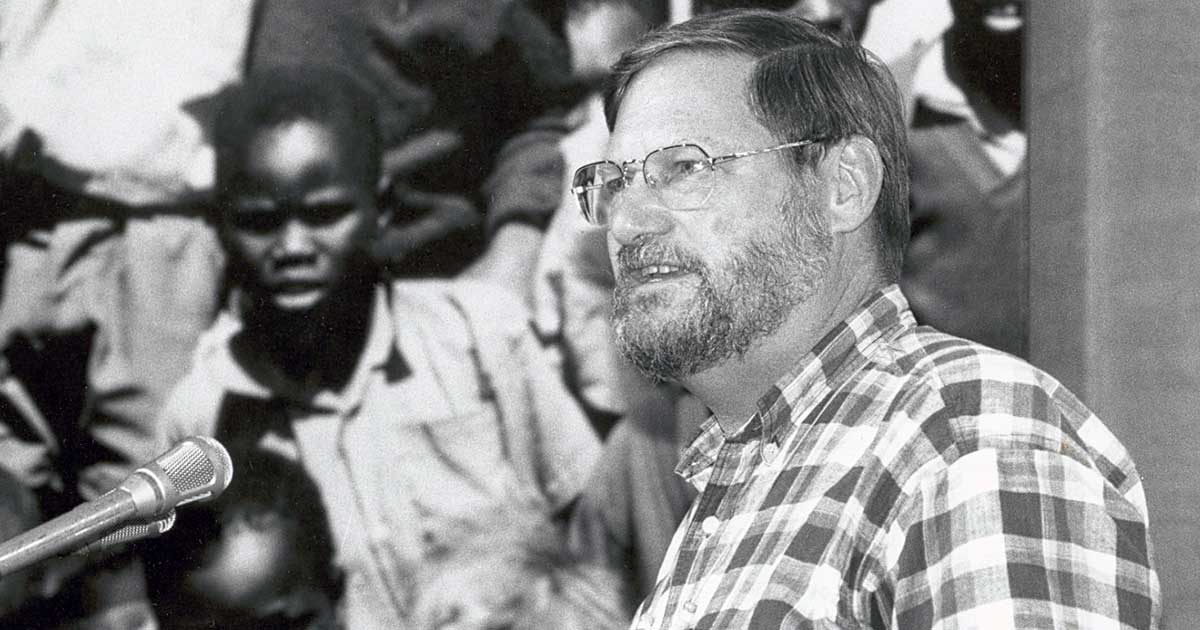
<point>281,95</point>
<point>805,84</point>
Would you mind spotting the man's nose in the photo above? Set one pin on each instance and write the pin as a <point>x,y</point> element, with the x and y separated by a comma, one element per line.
<point>637,213</point>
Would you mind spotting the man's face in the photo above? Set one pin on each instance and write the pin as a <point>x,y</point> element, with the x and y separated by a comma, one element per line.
<point>698,287</point>
<point>299,216</point>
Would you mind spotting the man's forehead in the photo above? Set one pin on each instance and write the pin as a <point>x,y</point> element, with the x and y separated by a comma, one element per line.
<point>684,96</point>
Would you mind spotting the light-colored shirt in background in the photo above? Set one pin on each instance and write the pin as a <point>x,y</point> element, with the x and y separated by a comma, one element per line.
<point>451,409</point>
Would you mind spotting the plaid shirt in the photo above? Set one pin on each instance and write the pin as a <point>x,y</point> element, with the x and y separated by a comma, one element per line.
<point>903,478</point>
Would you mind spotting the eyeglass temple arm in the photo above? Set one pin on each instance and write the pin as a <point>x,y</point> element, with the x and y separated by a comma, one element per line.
<point>741,154</point>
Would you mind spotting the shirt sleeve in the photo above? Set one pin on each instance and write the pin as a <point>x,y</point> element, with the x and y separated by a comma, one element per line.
<point>1020,538</point>
<point>567,445</point>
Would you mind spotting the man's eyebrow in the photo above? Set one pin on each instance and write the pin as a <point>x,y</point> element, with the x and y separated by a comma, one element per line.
<point>702,141</point>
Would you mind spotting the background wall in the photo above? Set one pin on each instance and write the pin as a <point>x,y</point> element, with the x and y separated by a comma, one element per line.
<point>1114,128</point>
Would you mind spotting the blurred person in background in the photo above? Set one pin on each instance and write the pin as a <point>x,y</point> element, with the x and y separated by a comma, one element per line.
<point>512,570</point>
<point>471,95</point>
<point>408,401</point>
<point>967,263</point>
<point>260,557</point>
<point>846,18</point>
<point>109,271</point>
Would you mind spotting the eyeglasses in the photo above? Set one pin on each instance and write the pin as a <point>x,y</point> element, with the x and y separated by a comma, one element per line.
<point>681,176</point>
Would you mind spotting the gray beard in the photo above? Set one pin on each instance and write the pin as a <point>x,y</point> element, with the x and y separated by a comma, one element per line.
<point>749,298</point>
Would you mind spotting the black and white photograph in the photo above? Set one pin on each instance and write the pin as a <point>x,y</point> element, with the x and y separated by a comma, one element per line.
<point>599,315</point>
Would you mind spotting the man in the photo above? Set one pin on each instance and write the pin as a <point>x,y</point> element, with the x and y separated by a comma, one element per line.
<point>858,471</point>
<point>409,403</point>
<point>966,268</point>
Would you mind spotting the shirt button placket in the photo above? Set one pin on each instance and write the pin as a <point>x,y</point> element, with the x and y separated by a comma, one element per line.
<point>769,452</point>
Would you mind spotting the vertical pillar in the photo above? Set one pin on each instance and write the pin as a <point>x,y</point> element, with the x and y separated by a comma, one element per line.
<point>1114,127</point>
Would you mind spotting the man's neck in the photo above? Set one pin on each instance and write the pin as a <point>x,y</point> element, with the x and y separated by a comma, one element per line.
<point>732,389</point>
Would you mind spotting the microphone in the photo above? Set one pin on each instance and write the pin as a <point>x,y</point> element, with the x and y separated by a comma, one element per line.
<point>196,469</point>
<point>128,534</point>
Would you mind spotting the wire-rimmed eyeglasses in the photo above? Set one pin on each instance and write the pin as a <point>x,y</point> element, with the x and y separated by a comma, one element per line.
<point>681,175</point>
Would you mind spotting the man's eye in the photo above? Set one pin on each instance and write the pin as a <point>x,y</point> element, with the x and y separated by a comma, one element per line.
<point>678,170</point>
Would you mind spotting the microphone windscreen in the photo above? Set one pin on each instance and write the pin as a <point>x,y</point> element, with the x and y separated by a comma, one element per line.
<point>198,464</point>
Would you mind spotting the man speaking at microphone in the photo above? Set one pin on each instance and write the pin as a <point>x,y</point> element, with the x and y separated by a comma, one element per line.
<point>858,471</point>
<point>414,405</point>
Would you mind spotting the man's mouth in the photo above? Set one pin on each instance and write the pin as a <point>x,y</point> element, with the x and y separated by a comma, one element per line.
<point>648,263</point>
<point>652,273</point>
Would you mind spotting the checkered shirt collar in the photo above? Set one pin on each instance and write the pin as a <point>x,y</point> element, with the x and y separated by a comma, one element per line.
<point>840,354</point>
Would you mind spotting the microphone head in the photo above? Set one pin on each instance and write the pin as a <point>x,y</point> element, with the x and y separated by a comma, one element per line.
<point>197,464</point>
<point>198,468</point>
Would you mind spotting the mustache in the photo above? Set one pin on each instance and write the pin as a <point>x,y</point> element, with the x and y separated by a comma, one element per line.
<point>645,253</point>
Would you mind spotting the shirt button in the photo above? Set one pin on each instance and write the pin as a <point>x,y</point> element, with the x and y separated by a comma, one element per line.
<point>769,452</point>
<point>710,525</point>
<point>690,607</point>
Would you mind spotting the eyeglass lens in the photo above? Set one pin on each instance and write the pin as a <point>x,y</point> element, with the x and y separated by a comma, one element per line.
<point>680,176</point>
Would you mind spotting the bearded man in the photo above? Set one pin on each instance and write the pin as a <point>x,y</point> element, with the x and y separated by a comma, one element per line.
<point>858,471</point>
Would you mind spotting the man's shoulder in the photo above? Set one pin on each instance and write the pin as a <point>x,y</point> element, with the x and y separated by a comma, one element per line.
<point>937,359</point>
<point>963,396</point>
<point>957,397</point>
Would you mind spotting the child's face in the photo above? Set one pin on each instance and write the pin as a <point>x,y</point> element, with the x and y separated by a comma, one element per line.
<point>252,579</point>
<point>299,215</point>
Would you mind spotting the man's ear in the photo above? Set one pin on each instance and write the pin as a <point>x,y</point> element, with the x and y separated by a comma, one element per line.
<point>856,175</point>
